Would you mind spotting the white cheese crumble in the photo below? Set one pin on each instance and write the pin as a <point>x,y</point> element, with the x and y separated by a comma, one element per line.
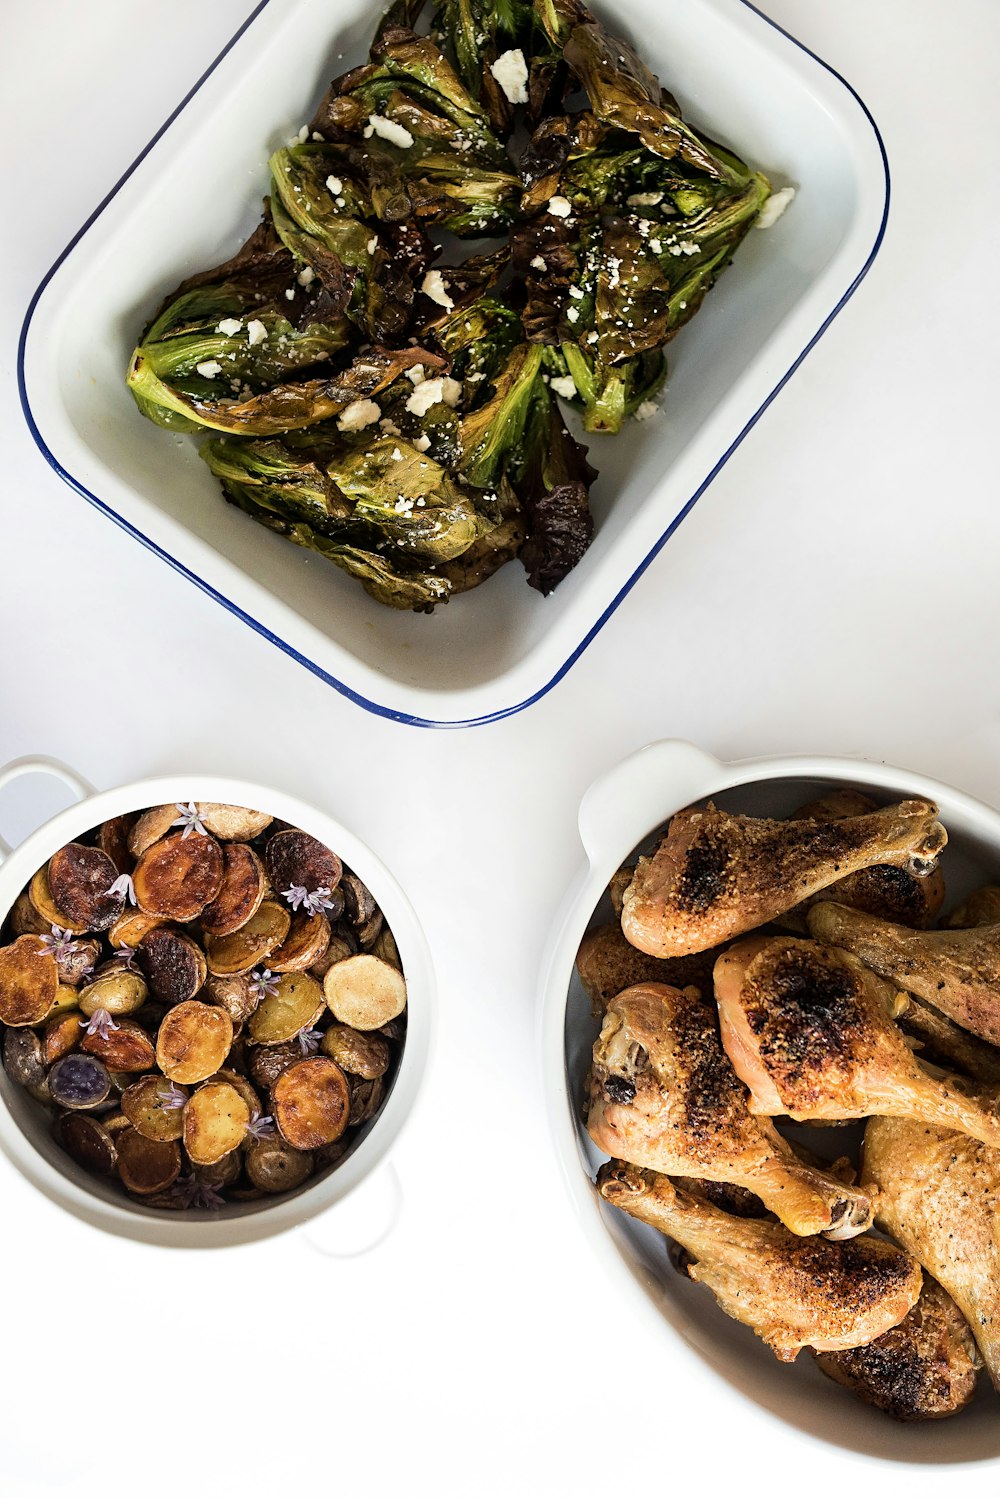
<point>416,374</point>
<point>646,410</point>
<point>398,135</point>
<point>644,199</point>
<point>300,137</point>
<point>397,456</point>
<point>575,291</point>
<point>290,294</point>
<point>511,72</point>
<point>656,245</point>
<point>538,263</point>
<point>592,337</point>
<point>614,269</point>
<point>572,313</point>
<point>230,326</point>
<point>563,385</point>
<point>256,332</point>
<point>774,207</point>
<point>430,392</point>
<point>358,415</point>
<point>372,245</point>
<point>306,276</point>
<point>422,443</point>
<point>560,207</point>
<point>389,427</point>
<point>434,286</point>
<point>334,185</point>
<point>209,368</point>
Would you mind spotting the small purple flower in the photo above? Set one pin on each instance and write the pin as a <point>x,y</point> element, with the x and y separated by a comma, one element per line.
<point>190,820</point>
<point>127,955</point>
<point>101,1023</point>
<point>191,1192</point>
<point>261,1127</point>
<point>170,1095</point>
<point>309,1041</point>
<point>263,983</point>
<point>318,900</point>
<point>123,886</point>
<point>296,894</point>
<point>59,945</point>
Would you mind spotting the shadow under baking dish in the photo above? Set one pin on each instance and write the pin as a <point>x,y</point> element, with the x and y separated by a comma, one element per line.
<point>496,650</point>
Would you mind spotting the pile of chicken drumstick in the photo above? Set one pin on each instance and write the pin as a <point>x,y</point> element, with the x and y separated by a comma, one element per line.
<point>842,1004</point>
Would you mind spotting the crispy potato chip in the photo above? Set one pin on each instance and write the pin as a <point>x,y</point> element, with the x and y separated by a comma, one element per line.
<point>132,927</point>
<point>304,945</point>
<point>267,1062</point>
<point>24,1058</point>
<point>154,1106</point>
<point>365,992</point>
<point>87,1141</point>
<point>78,1081</point>
<point>150,827</point>
<point>125,1049</point>
<point>296,1004</point>
<point>244,884</point>
<point>25,919</point>
<point>174,965</point>
<point>255,941</point>
<point>179,876</point>
<point>62,1035</point>
<point>41,898</point>
<point>232,823</point>
<point>112,839</point>
<point>311,1102</point>
<point>146,1166</point>
<point>193,1041</point>
<point>80,880</point>
<point>120,991</point>
<point>234,993</point>
<point>272,1166</point>
<point>293,858</point>
<point>29,981</point>
<point>360,1053</point>
<point>215,1122</point>
<point>367,1098</point>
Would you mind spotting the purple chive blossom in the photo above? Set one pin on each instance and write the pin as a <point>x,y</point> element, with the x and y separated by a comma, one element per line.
<point>170,1096</point>
<point>101,1023</point>
<point>127,955</point>
<point>191,1192</point>
<point>318,900</point>
<point>59,945</point>
<point>309,1041</point>
<point>295,894</point>
<point>123,886</point>
<point>263,983</point>
<point>190,820</point>
<point>261,1127</point>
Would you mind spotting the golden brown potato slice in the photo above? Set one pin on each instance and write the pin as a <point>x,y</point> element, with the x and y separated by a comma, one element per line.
<point>312,1103</point>
<point>242,1086</point>
<point>179,876</point>
<point>304,945</point>
<point>365,992</point>
<point>146,1166</point>
<point>132,927</point>
<point>267,1062</point>
<point>25,919</point>
<point>66,998</point>
<point>121,991</point>
<point>236,994</point>
<point>272,1166</point>
<point>296,860</point>
<point>215,1122</point>
<point>193,1041</point>
<point>29,981</point>
<point>112,839</point>
<point>62,1035</point>
<point>244,885</point>
<point>80,880</point>
<point>296,1005</point>
<point>232,823</point>
<point>150,827</point>
<point>174,965</point>
<point>41,898</point>
<point>87,1141</point>
<point>361,1053</point>
<point>125,1049</point>
<point>255,941</point>
<point>24,1057</point>
<point>154,1106</point>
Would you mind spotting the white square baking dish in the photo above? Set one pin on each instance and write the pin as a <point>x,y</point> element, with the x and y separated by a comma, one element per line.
<point>194,193</point>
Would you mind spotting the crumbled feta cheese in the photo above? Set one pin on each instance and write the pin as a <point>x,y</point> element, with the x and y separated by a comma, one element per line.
<point>614,269</point>
<point>538,263</point>
<point>256,332</point>
<point>316,135</point>
<point>656,245</point>
<point>358,415</point>
<point>451,391</point>
<point>575,291</point>
<point>682,305</point>
<point>230,326</point>
<point>422,443</point>
<point>403,506</point>
<point>397,456</point>
<point>560,207</point>
<point>300,137</point>
<point>306,276</point>
<point>644,199</point>
<point>434,286</point>
<point>209,368</point>
<point>389,130</point>
<point>430,392</point>
<point>334,185</point>
<point>563,385</point>
<point>592,337</point>
<point>389,427</point>
<point>688,247</point>
<point>340,202</point>
<point>646,410</point>
<point>372,245</point>
<point>774,207</point>
<point>290,294</point>
<point>416,374</point>
<point>511,72</point>
<point>572,313</point>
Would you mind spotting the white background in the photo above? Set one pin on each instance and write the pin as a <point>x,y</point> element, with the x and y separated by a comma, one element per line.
<point>836,590</point>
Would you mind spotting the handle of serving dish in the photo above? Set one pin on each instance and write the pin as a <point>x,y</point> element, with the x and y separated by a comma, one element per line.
<point>353,1227</point>
<point>621,807</point>
<point>40,765</point>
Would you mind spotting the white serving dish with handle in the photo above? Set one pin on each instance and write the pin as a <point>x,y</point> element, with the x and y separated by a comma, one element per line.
<point>24,1124</point>
<point>194,193</point>
<point>617,817</point>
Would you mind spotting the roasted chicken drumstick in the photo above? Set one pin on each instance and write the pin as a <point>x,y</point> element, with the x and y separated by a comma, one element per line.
<point>664,1095</point>
<point>794,1292</point>
<point>715,876</point>
<point>607,964</point>
<point>808,1029</point>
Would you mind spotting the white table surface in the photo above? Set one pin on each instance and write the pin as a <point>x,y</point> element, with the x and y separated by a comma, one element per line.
<point>836,590</point>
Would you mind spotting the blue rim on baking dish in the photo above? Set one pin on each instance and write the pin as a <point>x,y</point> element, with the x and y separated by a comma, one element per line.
<point>769,390</point>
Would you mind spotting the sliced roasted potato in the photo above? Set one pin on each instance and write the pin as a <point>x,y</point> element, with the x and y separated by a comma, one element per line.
<point>29,981</point>
<point>304,945</point>
<point>215,1122</point>
<point>359,902</point>
<point>62,1034</point>
<point>384,946</point>
<point>244,885</point>
<point>232,823</point>
<point>296,1005</point>
<point>364,991</point>
<point>120,991</point>
<point>154,1106</point>
<point>272,1166</point>
<point>66,998</point>
<point>115,1122</point>
<point>294,858</point>
<point>234,993</point>
<point>25,919</point>
<point>340,948</point>
<point>146,1166</point>
<point>244,949</point>
<point>193,1041</point>
<point>79,962</point>
<point>79,1081</point>
<point>367,1098</point>
<point>267,1062</point>
<point>125,1049</point>
<point>41,898</point>
<point>246,1092</point>
<point>174,965</point>
<point>150,827</point>
<point>179,876</point>
<point>358,1052</point>
<point>311,1102</point>
<point>87,1141</point>
<point>132,927</point>
<point>222,1173</point>
<point>80,880</point>
<point>112,839</point>
<point>24,1057</point>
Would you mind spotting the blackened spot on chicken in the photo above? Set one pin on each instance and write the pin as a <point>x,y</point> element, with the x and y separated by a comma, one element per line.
<point>806,1010</point>
<point>712,1091</point>
<point>703,880</point>
<point>619,1089</point>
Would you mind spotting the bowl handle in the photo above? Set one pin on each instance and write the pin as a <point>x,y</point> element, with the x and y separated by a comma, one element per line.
<point>40,765</point>
<point>620,808</point>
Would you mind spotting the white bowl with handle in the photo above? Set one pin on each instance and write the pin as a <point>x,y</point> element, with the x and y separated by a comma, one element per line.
<point>618,816</point>
<point>25,1136</point>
